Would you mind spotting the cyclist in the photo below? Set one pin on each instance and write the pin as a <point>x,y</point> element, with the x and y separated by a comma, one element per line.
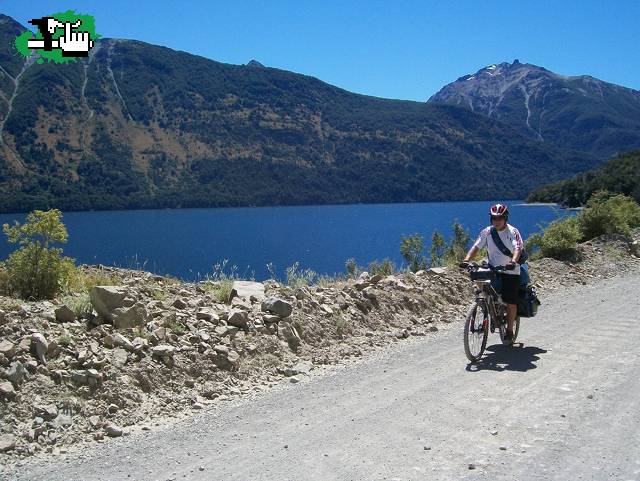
<point>509,279</point>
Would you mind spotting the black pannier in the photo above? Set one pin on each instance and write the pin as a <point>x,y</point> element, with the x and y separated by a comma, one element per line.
<point>528,301</point>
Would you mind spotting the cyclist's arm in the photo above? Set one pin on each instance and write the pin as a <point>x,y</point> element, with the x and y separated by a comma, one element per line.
<point>518,245</point>
<point>471,254</point>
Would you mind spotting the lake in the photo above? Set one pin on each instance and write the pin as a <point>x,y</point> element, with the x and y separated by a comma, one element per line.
<point>187,243</point>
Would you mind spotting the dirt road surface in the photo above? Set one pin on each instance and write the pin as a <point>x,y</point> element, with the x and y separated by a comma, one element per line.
<point>562,405</point>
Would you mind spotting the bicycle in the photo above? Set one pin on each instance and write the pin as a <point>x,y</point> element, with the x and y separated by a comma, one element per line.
<point>487,312</point>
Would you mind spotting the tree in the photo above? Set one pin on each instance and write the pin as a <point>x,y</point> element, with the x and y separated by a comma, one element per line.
<point>411,249</point>
<point>438,248</point>
<point>37,270</point>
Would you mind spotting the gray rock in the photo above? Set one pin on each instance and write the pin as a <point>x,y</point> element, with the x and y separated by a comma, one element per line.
<point>277,306</point>
<point>118,340</point>
<point>47,412</point>
<point>7,348</point>
<point>65,314</point>
<point>298,378</point>
<point>40,346</point>
<point>3,317</point>
<point>7,391</point>
<point>62,420</point>
<point>119,357</point>
<point>290,334</point>
<point>208,315</point>
<point>106,299</point>
<point>179,304</point>
<point>163,350</point>
<point>16,372</point>
<point>248,289</point>
<point>7,443</point>
<point>438,270</point>
<point>113,431</point>
<point>302,367</point>
<point>238,318</point>
<point>129,317</point>
<point>270,318</point>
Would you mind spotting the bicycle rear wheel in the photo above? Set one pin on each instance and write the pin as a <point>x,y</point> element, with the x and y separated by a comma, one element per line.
<point>476,332</point>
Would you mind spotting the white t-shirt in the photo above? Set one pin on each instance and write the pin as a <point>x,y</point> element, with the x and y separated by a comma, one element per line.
<point>510,238</point>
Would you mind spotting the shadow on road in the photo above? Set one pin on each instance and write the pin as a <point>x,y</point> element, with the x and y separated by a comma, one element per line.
<point>508,358</point>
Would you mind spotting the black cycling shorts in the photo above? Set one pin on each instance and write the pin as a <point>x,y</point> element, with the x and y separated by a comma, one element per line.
<point>509,287</point>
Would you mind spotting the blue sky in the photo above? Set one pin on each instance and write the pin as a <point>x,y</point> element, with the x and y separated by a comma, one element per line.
<point>396,49</point>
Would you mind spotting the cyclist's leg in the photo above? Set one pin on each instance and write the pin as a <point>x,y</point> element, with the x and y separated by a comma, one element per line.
<point>510,284</point>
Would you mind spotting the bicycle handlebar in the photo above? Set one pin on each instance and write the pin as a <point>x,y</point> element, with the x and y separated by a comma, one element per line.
<point>470,266</point>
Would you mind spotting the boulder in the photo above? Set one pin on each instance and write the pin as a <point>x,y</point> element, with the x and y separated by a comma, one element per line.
<point>179,304</point>
<point>40,346</point>
<point>64,314</point>
<point>106,299</point>
<point>438,270</point>
<point>7,391</point>
<point>248,290</point>
<point>290,334</point>
<point>207,314</point>
<point>270,318</point>
<point>118,340</point>
<point>238,318</point>
<point>163,350</point>
<point>8,349</point>
<point>129,317</point>
<point>302,367</point>
<point>7,442</point>
<point>16,373</point>
<point>277,306</point>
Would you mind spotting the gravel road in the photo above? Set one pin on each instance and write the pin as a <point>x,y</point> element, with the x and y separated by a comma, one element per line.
<point>562,405</point>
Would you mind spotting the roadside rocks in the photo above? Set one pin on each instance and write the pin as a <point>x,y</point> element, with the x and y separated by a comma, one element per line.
<point>253,291</point>
<point>173,347</point>
<point>113,304</point>
<point>64,314</point>
<point>7,443</point>
<point>277,306</point>
<point>7,391</point>
<point>39,346</point>
<point>238,318</point>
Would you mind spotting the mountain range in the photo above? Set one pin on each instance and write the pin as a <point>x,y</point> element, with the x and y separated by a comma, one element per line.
<point>142,126</point>
<point>579,112</point>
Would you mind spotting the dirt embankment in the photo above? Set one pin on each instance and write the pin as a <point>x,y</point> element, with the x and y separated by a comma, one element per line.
<point>154,347</point>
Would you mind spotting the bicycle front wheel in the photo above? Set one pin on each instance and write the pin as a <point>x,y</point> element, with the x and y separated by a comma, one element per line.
<point>476,331</point>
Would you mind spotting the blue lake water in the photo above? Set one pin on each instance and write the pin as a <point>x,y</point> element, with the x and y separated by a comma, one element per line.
<point>187,242</point>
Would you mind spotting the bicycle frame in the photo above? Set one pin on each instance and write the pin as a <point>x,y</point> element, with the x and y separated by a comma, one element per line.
<point>486,293</point>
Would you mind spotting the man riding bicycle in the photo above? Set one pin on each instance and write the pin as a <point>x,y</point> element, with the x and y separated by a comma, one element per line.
<point>509,279</point>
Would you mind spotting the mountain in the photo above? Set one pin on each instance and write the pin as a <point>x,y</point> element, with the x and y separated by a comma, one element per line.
<point>141,126</point>
<point>581,112</point>
<point>620,175</point>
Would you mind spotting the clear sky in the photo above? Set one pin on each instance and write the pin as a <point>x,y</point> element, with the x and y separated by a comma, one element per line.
<point>396,49</point>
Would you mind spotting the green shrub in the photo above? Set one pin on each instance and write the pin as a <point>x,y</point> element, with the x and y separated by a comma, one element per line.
<point>606,213</point>
<point>437,250</point>
<point>458,245</point>
<point>37,270</point>
<point>4,281</point>
<point>558,241</point>
<point>297,277</point>
<point>219,283</point>
<point>352,268</point>
<point>411,249</point>
<point>385,268</point>
<point>80,305</point>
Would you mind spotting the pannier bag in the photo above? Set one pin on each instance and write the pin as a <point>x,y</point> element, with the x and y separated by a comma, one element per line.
<point>528,301</point>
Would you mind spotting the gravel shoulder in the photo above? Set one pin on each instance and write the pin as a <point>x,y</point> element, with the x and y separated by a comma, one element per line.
<point>562,404</point>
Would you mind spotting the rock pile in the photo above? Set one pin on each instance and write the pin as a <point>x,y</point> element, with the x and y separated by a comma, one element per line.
<point>152,346</point>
